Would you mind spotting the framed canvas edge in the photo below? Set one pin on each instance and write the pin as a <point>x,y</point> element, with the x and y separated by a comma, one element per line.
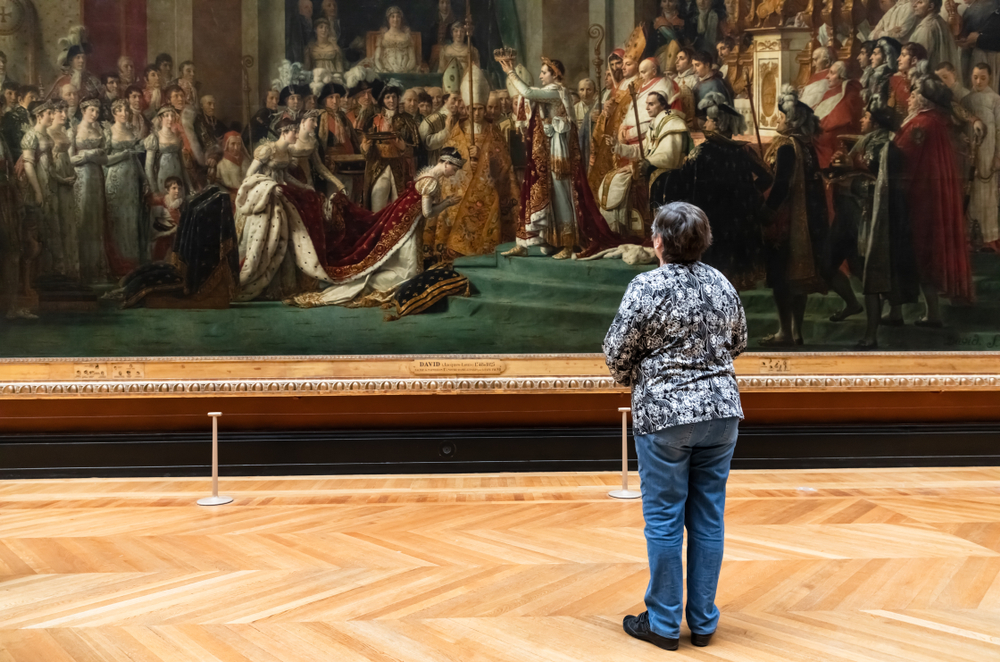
<point>346,375</point>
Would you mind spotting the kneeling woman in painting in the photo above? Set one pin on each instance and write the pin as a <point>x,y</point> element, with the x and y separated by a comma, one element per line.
<point>673,341</point>
<point>369,254</point>
<point>291,240</point>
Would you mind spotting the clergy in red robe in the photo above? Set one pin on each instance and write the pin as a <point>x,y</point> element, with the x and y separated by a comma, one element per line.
<point>812,93</point>
<point>839,112</point>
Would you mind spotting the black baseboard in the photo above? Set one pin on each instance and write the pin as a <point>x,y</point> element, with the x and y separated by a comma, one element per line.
<point>338,452</point>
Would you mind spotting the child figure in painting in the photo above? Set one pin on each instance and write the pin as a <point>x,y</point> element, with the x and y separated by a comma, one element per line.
<point>165,210</point>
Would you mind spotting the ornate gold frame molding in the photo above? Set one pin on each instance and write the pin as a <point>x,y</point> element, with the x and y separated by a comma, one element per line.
<point>472,374</point>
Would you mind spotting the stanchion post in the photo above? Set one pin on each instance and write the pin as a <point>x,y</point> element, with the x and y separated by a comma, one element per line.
<point>624,492</point>
<point>215,499</point>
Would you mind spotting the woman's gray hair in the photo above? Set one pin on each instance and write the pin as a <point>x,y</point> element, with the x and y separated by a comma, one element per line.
<point>684,230</point>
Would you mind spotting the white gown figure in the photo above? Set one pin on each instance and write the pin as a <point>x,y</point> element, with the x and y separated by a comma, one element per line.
<point>36,149</point>
<point>164,160</point>
<point>62,177</point>
<point>123,186</point>
<point>984,198</point>
<point>88,157</point>
<point>396,50</point>
<point>273,241</point>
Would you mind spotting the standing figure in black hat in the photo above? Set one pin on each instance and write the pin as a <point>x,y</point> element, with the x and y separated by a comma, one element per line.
<point>339,140</point>
<point>390,139</point>
<point>290,104</point>
<point>73,61</point>
<point>721,164</point>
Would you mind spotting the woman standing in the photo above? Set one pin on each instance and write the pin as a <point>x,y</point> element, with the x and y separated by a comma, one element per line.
<point>323,51</point>
<point>163,151</point>
<point>457,50</point>
<point>395,52</point>
<point>673,341</point>
<point>124,192</point>
<point>274,215</point>
<point>557,209</point>
<point>63,177</point>
<point>36,190</point>
<point>88,155</point>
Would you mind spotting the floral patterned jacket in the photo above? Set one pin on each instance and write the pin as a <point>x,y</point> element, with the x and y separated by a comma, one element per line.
<point>673,341</point>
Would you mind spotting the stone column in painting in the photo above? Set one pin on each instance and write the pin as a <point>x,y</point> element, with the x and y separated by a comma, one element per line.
<point>776,62</point>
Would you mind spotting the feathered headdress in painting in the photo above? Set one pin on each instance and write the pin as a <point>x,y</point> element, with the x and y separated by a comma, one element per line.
<point>291,74</point>
<point>799,118</point>
<point>74,44</point>
<point>727,119</point>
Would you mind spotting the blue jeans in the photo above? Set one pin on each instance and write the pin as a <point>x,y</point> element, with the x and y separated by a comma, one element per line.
<point>683,471</point>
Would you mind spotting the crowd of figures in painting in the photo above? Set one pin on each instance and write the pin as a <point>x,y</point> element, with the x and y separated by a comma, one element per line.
<point>881,180</point>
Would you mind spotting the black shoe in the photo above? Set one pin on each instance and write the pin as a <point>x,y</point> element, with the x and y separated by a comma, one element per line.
<point>638,627</point>
<point>701,640</point>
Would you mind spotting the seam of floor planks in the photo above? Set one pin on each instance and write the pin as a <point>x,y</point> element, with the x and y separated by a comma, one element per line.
<point>860,565</point>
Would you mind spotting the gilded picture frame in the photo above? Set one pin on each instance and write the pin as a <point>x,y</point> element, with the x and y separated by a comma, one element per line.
<point>147,377</point>
<point>41,38</point>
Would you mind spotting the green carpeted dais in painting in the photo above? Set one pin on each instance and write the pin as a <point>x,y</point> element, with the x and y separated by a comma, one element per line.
<point>519,306</point>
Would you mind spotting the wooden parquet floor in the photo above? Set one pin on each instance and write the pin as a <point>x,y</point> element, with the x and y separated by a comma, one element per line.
<point>888,564</point>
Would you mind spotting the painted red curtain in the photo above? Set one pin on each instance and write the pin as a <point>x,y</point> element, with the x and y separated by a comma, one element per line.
<point>116,28</point>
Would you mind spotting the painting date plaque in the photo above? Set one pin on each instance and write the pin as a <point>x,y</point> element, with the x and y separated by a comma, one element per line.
<point>126,371</point>
<point>771,366</point>
<point>458,367</point>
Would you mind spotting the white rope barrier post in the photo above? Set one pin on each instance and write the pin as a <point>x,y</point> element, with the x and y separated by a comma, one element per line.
<point>624,492</point>
<point>215,499</point>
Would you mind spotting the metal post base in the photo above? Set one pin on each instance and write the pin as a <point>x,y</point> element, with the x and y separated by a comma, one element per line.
<point>624,494</point>
<point>215,501</point>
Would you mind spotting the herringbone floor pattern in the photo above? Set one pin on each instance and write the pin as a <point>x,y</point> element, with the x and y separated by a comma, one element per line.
<point>900,565</point>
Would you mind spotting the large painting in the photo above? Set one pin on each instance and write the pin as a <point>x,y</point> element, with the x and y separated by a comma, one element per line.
<point>224,178</point>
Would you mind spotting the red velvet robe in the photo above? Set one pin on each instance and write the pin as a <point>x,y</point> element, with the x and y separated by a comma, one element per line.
<point>595,235</point>
<point>359,238</point>
<point>934,194</point>
<point>899,94</point>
